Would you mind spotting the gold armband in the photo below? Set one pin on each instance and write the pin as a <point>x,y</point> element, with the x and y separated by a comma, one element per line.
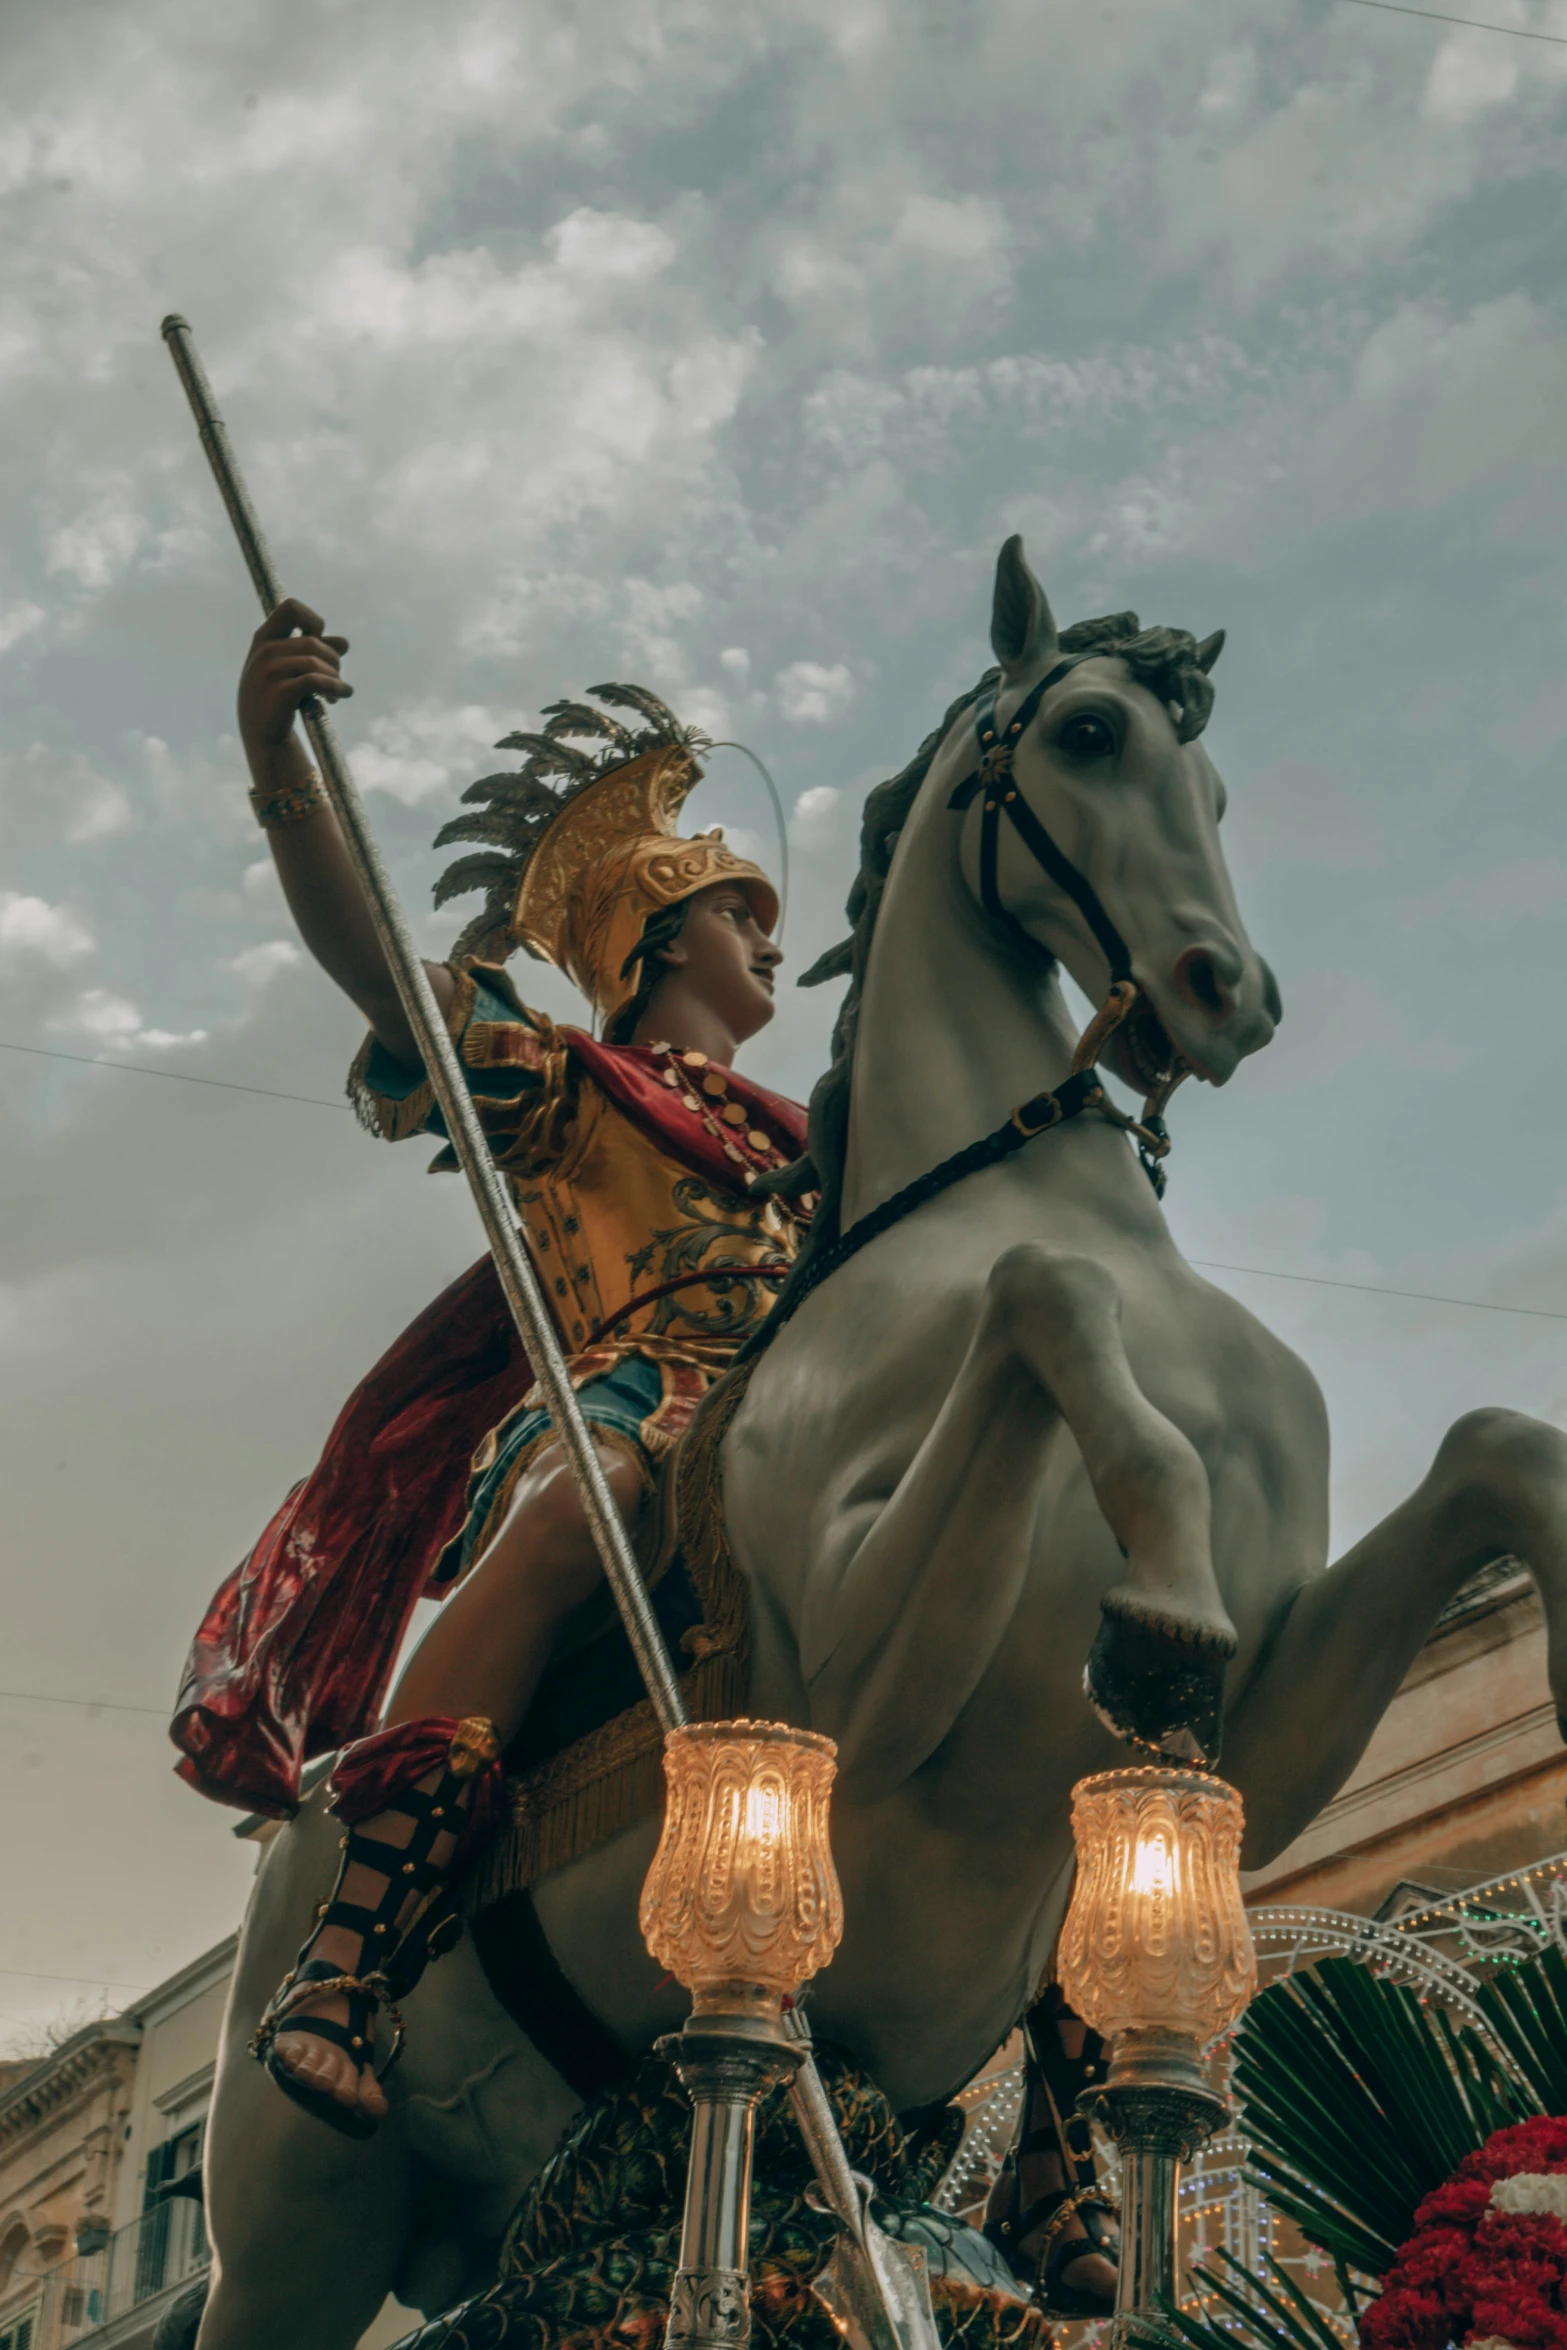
<point>291,803</point>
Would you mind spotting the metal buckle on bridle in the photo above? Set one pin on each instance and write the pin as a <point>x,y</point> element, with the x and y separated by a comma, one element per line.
<point>1028,1125</point>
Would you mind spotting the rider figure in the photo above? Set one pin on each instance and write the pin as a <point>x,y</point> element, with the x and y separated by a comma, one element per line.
<point>628,1160</point>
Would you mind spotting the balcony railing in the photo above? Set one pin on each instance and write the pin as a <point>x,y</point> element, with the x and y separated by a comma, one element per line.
<point>69,2304</point>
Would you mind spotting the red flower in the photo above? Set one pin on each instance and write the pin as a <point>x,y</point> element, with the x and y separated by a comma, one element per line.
<point>1470,2270</point>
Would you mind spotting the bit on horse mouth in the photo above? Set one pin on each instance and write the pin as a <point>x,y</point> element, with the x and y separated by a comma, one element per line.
<point>1147,1048</point>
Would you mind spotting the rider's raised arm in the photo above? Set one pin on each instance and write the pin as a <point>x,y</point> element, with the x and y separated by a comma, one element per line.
<point>291,656</point>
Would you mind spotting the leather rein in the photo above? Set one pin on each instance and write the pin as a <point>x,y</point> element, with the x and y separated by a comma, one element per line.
<point>1083,1089</point>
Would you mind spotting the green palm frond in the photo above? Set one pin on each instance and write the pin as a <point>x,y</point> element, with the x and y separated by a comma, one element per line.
<point>1358,2101</point>
<point>1526,2008</point>
<point>1259,2316</point>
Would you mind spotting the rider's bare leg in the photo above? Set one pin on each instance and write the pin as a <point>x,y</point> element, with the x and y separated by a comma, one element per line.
<point>483,1655</point>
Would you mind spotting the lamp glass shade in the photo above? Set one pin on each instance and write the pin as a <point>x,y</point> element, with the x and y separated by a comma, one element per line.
<point>1157,1937</point>
<point>742,1889</point>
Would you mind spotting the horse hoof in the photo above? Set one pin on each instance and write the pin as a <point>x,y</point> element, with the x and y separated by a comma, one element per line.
<point>1160,1683</point>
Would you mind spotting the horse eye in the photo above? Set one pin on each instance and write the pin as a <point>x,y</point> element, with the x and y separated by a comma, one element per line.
<point>1087,737</point>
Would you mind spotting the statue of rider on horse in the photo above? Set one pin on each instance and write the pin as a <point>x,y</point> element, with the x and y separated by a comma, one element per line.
<point>1009,1431</point>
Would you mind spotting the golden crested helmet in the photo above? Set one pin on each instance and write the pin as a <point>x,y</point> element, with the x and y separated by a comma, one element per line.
<point>573,870</point>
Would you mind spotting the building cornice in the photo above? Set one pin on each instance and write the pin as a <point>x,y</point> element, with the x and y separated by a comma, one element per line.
<point>88,2058</point>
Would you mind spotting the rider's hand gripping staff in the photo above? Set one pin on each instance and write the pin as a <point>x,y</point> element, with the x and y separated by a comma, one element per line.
<point>718,2193</point>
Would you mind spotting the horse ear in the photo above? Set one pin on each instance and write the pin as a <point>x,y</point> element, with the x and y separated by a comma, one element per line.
<point>1022,626</point>
<point>1209,650</point>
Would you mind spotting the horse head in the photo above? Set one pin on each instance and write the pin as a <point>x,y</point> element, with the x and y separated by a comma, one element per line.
<point>1112,850</point>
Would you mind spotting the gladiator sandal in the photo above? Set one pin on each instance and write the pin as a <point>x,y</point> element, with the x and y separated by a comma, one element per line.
<point>1037,2241</point>
<point>444,1777</point>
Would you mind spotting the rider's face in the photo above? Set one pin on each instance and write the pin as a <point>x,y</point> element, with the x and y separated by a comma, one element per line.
<point>725,957</point>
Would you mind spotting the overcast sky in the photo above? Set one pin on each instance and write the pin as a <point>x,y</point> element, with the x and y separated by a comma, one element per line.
<point>719,343</point>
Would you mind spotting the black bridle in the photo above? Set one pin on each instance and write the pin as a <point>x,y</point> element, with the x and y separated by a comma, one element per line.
<point>1081,1091</point>
<point>993,776</point>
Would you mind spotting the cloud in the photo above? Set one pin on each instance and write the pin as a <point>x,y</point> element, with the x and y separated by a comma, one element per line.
<point>17,621</point>
<point>426,750</point>
<point>813,822</point>
<point>34,932</point>
<point>257,964</point>
<point>1467,75</point>
<point>809,692</point>
<point>93,547</point>
<point>107,1018</point>
<point>49,794</point>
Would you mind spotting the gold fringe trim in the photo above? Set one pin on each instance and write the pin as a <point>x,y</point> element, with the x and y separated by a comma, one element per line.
<point>397,1121</point>
<point>608,1781</point>
<point>529,1131</point>
<point>614,1776</point>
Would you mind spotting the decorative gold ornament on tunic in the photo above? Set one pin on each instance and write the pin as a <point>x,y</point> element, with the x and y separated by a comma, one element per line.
<point>1157,1937</point>
<point>610,859</point>
<point>742,1903</point>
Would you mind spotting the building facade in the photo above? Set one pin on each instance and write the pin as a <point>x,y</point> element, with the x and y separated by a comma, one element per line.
<point>1465,1777</point>
<point>102,2242</point>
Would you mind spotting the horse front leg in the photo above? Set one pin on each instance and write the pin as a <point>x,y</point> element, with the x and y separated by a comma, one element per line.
<point>1155,1673</point>
<point>894,1645</point>
<point>1334,1662</point>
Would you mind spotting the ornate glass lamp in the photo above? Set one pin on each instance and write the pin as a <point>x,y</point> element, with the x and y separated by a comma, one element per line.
<point>1157,1956</point>
<point>742,1906</point>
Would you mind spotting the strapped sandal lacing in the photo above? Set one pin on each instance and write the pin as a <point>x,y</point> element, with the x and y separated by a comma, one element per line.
<point>400,1946</point>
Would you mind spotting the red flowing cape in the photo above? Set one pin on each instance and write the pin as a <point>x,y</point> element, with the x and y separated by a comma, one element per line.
<point>293,1656</point>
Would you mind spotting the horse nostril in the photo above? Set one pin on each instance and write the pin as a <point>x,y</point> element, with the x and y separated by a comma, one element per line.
<point>1197,976</point>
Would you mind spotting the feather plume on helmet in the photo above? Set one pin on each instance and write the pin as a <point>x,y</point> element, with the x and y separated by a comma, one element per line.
<point>578,848</point>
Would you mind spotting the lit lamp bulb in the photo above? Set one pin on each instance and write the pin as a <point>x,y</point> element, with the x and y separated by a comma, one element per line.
<point>1156,1954</point>
<point>742,1906</point>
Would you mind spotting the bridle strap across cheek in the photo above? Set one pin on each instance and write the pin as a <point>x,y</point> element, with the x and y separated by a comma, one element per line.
<point>993,776</point>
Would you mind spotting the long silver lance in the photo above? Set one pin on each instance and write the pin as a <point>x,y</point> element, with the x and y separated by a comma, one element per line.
<point>517,1277</point>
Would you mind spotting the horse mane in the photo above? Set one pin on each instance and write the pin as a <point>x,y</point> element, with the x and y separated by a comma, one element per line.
<point>1165,660</point>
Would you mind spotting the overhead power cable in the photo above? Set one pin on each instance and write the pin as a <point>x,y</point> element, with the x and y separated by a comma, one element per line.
<point>40,1052</point>
<point>1473,24</point>
<point>1478,1305</point>
<point>107,1705</point>
<point>1430,1297</point>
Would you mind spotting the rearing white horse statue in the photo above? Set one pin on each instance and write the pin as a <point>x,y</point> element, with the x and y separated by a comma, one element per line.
<point>1013,1406</point>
